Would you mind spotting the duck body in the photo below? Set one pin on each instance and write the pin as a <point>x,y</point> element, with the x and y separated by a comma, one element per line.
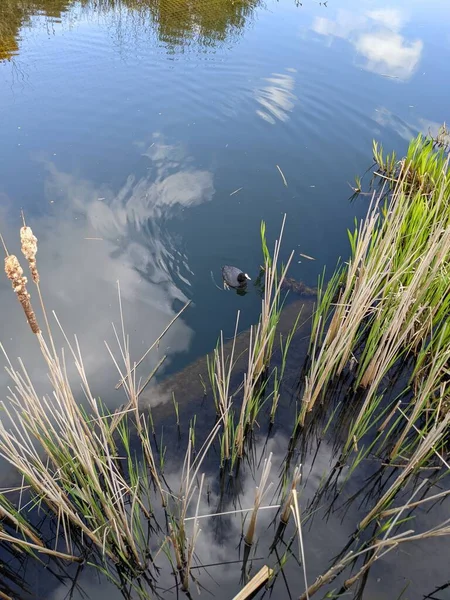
<point>234,277</point>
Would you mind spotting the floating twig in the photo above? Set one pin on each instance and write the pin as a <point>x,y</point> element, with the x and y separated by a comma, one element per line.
<point>282,175</point>
<point>261,577</point>
<point>306,256</point>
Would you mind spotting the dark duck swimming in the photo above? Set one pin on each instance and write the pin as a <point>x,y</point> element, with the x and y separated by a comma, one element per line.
<point>234,277</point>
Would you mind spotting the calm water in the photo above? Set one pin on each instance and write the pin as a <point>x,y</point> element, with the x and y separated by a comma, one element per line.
<point>142,140</point>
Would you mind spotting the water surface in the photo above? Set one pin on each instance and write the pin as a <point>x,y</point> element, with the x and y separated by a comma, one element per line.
<point>142,139</point>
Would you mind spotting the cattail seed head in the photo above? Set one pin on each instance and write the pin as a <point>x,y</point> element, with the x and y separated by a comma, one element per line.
<point>19,283</point>
<point>29,250</point>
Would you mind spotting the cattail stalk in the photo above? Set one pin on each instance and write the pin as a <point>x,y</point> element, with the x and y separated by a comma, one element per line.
<point>15,274</point>
<point>29,250</point>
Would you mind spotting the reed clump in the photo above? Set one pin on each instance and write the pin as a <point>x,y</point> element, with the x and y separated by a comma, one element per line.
<point>257,377</point>
<point>389,304</point>
<point>178,539</point>
<point>220,370</point>
<point>76,460</point>
<point>261,342</point>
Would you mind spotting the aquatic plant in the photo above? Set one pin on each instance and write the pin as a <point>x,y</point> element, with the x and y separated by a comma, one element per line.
<point>384,540</point>
<point>220,371</point>
<point>256,377</point>
<point>390,301</point>
<point>271,302</point>
<point>262,339</point>
<point>69,454</point>
<point>377,372</point>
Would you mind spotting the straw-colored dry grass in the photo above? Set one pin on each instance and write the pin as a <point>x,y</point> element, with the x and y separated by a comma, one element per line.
<point>260,493</point>
<point>391,301</point>
<point>70,456</point>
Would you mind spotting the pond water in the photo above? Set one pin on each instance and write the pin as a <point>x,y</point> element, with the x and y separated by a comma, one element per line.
<point>145,140</point>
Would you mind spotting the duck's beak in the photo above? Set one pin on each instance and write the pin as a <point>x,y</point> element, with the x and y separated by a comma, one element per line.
<point>247,277</point>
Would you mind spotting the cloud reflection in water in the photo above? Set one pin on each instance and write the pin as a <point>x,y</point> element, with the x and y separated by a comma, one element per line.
<point>136,248</point>
<point>376,37</point>
<point>406,129</point>
<point>219,541</point>
<point>277,98</point>
<point>388,53</point>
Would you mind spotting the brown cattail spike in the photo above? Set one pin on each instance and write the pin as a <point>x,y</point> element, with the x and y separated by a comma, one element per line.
<point>29,250</point>
<point>15,273</point>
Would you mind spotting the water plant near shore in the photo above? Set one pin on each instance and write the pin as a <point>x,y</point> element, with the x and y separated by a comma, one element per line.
<point>393,295</point>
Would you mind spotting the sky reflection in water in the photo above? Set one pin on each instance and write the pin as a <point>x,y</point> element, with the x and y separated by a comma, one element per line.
<point>135,124</point>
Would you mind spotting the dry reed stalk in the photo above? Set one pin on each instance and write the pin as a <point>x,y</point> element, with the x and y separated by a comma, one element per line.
<point>381,547</point>
<point>152,374</point>
<point>427,444</point>
<point>23,527</point>
<point>286,512</point>
<point>372,277</point>
<point>60,428</point>
<point>255,584</point>
<point>175,544</point>
<point>155,343</point>
<point>128,381</point>
<point>183,548</point>
<point>421,435</point>
<point>401,327</point>
<point>193,540</point>
<point>282,175</point>
<point>69,458</point>
<point>148,452</point>
<point>409,505</point>
<point>191,467</point>
<point>298,523</point>
<point>232,512</point>
<point>365,276</point>
<point>343,319</point>
<point>355,302</point>
<point>387,420</point>
<point>378,548</point>
<point>15,274</point>
<point>270,301</point>
<point>427,387</point>
<point>260,492</point>
<point>39,548</point>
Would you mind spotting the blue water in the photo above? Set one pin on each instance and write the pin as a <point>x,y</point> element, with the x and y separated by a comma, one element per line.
<point>110,130</point>
<point>143,140</point>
